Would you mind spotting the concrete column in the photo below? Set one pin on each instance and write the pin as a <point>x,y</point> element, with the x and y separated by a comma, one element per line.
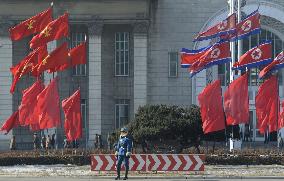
<point>140,64</point>
<point>95,81</point>
<point>5,82</point>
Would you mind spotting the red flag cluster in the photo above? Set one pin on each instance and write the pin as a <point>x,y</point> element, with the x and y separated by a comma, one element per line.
<point>236,105</point>
<point>227,30</point>
<point>40,107</point>
<point>32,25</point>
<point>236,99</point>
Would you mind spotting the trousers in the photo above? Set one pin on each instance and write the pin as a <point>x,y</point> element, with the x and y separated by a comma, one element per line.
<point>120,159</point>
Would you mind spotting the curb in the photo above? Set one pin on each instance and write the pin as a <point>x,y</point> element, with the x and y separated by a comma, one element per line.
<point>186,177</point>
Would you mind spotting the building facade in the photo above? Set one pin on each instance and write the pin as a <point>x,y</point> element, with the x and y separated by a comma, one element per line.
<point>133,57</point>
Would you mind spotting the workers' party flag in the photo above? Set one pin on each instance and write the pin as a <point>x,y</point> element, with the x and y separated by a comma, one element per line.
<point>26,65</point>
<point>32,25</point>
<point>57,57</point>
<point>76,56</point>
<point>73,119</point>
<point>53,31</point>
<point>219,53</point>
<point>224,27</point>
<point>259,55</point>
<point>11,122</point>
<point>28,104</point>
<point>47,107</point>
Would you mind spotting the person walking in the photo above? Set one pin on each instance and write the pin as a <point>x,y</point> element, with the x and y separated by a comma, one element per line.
<point>123,152</point>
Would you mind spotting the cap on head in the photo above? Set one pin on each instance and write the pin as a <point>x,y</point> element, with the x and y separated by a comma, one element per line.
<point>124,129</point>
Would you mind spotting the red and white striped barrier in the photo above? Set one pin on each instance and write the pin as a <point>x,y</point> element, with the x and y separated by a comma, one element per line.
<point>175,162</point>
<point>151,162</point>
<point>108,163</point>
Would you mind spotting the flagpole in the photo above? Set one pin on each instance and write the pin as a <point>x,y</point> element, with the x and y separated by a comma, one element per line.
<point>278,110</point>
<point>232,44</point>
<point>232,48</point>
<point>240,47</point>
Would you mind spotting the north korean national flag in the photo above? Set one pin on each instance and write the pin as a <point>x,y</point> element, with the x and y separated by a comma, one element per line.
<point>224,27</point>
<point>249,26</point>
<point>188,57</point>
<point>259,55</point>
<point>276,64</point>
<point>219,53</point>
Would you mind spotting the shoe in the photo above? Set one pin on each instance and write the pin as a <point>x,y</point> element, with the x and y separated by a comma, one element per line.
<point>125,178</point>
<point>117,178</point>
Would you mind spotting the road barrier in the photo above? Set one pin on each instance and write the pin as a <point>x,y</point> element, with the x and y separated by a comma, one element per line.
<point>151,162</point>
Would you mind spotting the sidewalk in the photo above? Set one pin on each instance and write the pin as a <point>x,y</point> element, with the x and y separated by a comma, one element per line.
<point>211,172</point>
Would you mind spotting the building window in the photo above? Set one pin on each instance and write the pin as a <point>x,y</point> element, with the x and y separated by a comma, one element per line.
<point>173,64</point>
<point>122,54</point>
<point>84,112</point>
<point>77,38</point>
<point>121,113</point>
<point>250,42</point>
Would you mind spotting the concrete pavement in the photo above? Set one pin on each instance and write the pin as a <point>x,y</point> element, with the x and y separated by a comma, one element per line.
<point>5,178</point>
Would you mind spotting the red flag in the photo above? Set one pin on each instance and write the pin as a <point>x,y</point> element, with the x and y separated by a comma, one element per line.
<point>77,55</point>
<point>211,108</point>
<point>281,117</point>
<point>57,57</point>
<point>266,104</point>
<point>26,65</point>
<point>259,55</point>
<point>53,31</point>
<point>73,121</point>
<point>47,107</point>
<point>32,25</point>
<point>27,107</point>
<point>11,122</point>
<point>236,101</point>
<point>34,127</point>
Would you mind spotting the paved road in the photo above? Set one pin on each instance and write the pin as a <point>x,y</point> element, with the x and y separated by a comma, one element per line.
<point>3,178</point>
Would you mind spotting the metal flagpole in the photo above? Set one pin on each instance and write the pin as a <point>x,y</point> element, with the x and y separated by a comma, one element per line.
<point>240,47</point>
<point>232,49</point>
<point>232,44</point>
